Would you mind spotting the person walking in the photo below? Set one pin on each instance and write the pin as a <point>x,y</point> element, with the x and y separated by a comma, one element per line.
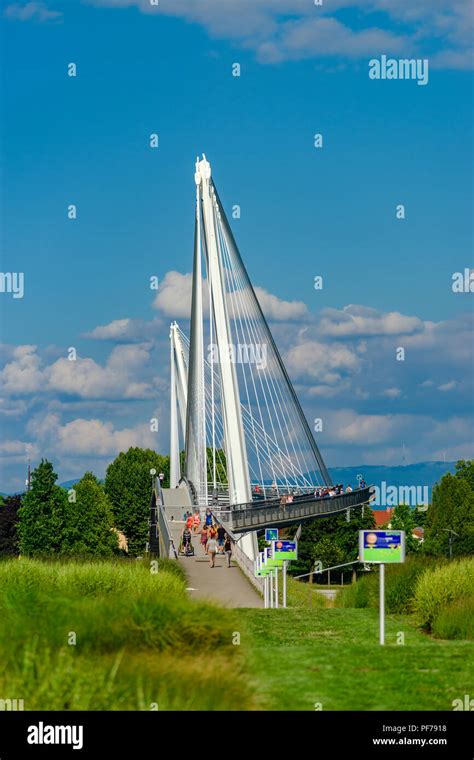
<point>196,522</point>
<point>228,549</point>
<point>220,539</point>
<point>212,550</point>
<point>204,538</point>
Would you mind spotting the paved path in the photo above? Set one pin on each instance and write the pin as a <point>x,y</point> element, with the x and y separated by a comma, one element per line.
<point>226,585</point>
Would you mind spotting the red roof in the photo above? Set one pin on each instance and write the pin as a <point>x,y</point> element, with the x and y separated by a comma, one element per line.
<point>383,516</point>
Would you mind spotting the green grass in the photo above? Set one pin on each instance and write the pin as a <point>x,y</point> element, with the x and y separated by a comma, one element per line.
<point>139,639</point>
<point>142,642</point>
<point>301,657</point>
<point>302,595</point>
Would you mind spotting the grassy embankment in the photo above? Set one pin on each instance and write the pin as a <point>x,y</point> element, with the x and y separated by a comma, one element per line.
<point>326,654</point>
<point>140,643</point>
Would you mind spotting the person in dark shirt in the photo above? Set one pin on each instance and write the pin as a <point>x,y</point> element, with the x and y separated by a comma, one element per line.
<point>220,539</point>
<point>228,549</point>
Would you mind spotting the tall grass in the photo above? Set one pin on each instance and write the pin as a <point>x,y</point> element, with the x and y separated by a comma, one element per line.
<point>456,620</point>
<point>440,587</point>
<point>400,584</point>
<point>113,635</point>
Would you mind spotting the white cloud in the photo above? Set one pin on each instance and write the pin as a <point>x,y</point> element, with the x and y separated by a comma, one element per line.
<point>126,330</point>
<point>321,37</point>
<point>20,450</point>
<point>117,379</point>
<point>175,294</point>
<point>22,375</point>
<point>33,11</point>
<point>448,386</point>
<point>355,320</point>
<point>276,308</point>
<point>88,437</point>
<point>392,393</point>
<point>319,361</point>
<point>293,29</point>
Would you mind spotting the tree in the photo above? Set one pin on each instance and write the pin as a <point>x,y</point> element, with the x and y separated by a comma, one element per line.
<point>465,471</point>
<point>9,525</point>
<point>405,518</point>
<point>89,520</point>
<point>42,513</point>
<point>128,486</point>
<point>452,509</point>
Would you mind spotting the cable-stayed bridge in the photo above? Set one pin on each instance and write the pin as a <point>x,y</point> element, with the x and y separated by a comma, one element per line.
<point>249,450</point>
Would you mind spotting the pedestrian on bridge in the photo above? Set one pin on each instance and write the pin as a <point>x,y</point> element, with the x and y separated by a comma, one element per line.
<point>196,522</point>
<point>220,538</point>
<point>228,549</point>
<point>212,550</point>
<point>204,538</point>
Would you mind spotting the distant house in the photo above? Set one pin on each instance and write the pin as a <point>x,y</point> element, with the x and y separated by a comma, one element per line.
<point>383,519</point>
<point>383,516</point>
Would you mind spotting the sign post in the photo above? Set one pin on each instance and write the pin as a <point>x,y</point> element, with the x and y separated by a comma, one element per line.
<point>382,603</point>
<point>381,547</point>
<point>284,583</point>
<point>276,588</point>
<point>271,534</point>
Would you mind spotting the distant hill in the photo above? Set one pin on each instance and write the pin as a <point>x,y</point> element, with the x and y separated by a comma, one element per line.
<point>420,475</point>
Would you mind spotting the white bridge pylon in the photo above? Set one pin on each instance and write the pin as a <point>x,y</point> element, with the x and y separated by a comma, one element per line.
<point>231,398</point>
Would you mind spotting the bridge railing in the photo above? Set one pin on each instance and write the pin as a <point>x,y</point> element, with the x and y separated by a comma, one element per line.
<point>166,539</point>
<point>242,517</point>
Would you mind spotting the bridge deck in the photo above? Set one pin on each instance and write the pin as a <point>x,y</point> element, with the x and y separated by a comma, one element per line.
<point>227,586</point>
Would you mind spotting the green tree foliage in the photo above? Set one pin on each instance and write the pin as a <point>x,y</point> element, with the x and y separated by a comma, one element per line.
<point>333,540</point>
<point>128,486</point>
<point>9,525</point>
<point>89,520</point>
<point>42,513</point>
<point>465,471</point>
<point>221,466</point>
<point>452,509</point>
<point>406,518</point>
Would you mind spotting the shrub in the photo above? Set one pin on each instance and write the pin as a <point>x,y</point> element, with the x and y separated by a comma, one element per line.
<point>439,587</point>
<point>456,620</point>
<point>400,583</point>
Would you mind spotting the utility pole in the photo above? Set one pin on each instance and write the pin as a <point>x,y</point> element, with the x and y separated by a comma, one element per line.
<point>451,533</point>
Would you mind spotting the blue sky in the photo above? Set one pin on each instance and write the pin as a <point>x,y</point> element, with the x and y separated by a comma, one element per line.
<point>304,212</point>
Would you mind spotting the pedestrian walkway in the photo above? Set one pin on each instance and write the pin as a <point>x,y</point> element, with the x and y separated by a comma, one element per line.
<point>226,585</point>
